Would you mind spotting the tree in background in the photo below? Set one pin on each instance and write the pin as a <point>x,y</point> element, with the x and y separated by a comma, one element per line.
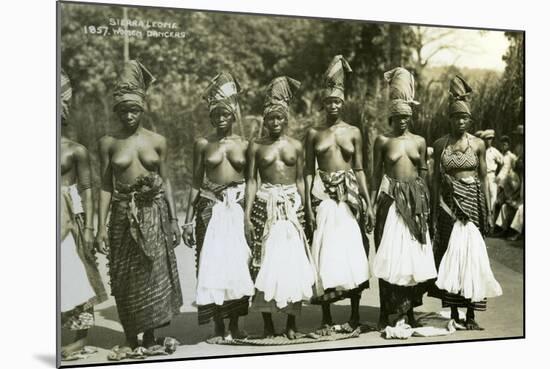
<point>255,49</point>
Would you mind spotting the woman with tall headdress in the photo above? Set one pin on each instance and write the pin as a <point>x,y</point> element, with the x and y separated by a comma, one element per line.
<point>337,202</point>
<point>404,257</point>
<point>143,229</point>
<point>274,218</point>
<point>81,285</point>
<point>460,213</point>
<point>215,216</point>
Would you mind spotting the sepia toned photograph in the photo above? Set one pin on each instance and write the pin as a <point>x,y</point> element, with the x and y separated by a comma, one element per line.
<point>244,184</point>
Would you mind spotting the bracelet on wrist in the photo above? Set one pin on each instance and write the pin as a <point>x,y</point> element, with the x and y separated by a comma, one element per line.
<point>89,227</point>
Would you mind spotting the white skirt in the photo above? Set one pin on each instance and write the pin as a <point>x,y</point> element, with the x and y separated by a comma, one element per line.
<point>337,248</point>
<point>465,267</point>
<point>223,262</point>
<point>286,274</point>
<point>75,286</point>
<point>401,259</point>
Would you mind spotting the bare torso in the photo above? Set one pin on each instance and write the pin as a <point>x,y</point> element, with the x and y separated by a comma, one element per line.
<point>224,160</point>
<point>136,155</point>
<point>402,156</point>
<point>277,160</point>
<point>334,147</point>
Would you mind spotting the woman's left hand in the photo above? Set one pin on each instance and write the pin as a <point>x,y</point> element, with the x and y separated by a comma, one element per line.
<point>176,233</point>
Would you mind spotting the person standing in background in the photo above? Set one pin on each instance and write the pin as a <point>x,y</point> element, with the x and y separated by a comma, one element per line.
<point>494,163</point>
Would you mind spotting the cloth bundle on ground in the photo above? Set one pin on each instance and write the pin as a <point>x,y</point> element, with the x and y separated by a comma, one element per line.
<point>433,327</point>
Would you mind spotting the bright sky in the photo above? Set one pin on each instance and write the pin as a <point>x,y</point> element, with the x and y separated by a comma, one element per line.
<point>472,48</point>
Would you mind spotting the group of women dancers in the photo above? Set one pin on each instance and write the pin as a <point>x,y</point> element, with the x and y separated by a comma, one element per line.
<point>276,221</point>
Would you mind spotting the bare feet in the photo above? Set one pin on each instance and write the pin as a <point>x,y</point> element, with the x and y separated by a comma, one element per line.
<point>351,326</point>
<point>215,340</point>
<point>290,333</point>
<point>73,347</point>
<point>324,330</point>
<point>411,320</point>
<point>238,334</point>
<point>472,325</point>
<point>269,328</point>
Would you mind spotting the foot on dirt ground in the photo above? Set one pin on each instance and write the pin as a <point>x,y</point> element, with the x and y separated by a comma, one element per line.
<point>71,348</point>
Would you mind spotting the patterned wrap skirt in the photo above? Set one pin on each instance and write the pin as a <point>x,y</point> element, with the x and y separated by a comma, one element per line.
<point>404,261</point>
<point>142,263</point>
<point>464,273</point>
<point>340,245</point>
<point>210,195</point>
<point>280,252</point>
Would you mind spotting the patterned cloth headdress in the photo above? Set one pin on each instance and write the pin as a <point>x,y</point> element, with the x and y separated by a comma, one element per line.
<point>335,77</point>
<point>132,84</point>
<point>401,83</point>
<point>459,96</point>
<point>223,92</point>
<point>279,92</point>
<point>66,95</point>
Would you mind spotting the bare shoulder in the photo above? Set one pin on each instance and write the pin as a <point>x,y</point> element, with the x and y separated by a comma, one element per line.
<point>381,140</point>
<point>352,129</point>
<point>439,143</point>
<point>311,133</point>
<point>296,143</point>
<point>477,142</point>
<point>421,141</point>
<point>106,142</point>
<point>155,137</point>
<point>241,141</point>
<point>200,143</point>
<point>79,149</point>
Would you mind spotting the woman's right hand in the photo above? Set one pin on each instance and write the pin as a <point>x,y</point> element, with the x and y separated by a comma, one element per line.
<point>189,235</point>
<point>249,231</point>
<point>102,241</point>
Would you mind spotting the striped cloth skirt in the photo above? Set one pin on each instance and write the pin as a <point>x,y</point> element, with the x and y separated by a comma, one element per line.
<point>462,205</point>
<point>142,263</point>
